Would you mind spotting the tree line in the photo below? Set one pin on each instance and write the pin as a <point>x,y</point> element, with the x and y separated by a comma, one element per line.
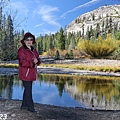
<point>9,37</point>
<point>60,44</point>
<point>65,44</point>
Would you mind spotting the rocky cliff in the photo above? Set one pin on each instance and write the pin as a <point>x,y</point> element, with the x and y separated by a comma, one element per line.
<point>102,16</point>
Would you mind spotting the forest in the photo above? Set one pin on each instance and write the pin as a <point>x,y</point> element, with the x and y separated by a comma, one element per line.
<point>95,43</point>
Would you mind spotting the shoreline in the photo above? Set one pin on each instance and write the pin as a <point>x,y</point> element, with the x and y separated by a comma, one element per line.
<point>55,70</point>
<point>50,112</point>
<point>76,62</point>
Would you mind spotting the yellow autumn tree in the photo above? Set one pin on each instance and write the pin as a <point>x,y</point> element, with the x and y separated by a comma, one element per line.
<point>98,48</point>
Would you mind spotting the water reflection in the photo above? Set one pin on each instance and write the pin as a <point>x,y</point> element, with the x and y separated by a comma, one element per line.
<point>81,91</point>
<point>6,84</point>
<point>96,93</point>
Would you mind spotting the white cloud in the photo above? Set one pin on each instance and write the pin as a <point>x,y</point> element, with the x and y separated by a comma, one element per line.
<point>76,8</point>
<point>45,31</point>
<point>46,12</point>
<point>39,25</point>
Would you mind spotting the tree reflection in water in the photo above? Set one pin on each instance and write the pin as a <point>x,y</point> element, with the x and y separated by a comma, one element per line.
<point>95,92</point>
<point>92,91</point>
<point>6,85</point>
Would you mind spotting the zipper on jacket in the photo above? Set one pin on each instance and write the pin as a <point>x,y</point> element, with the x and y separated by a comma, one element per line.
<point>27,72</point>
<point>34,57</point>
<point>33,54</point>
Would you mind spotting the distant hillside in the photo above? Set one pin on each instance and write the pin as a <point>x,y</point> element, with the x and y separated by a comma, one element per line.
<point>101,16</point>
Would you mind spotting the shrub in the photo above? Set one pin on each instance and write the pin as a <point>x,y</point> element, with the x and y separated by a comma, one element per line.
<point>98,48</point>
<point>44,54</point>
<point>57,56</point>
<point>51,52</point>
<point>69,55</point>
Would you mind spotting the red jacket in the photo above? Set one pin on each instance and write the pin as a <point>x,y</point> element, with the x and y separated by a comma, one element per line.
<point>27,69</point>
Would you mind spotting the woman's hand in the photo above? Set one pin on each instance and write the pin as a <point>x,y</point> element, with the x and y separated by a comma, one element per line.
<point>35,60</point>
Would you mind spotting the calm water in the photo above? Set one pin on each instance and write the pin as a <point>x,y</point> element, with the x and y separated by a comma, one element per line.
<point>71,91</point>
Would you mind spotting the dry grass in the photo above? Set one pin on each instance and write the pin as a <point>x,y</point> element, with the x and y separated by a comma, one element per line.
<point>72,66</point>
<point>84,67</point>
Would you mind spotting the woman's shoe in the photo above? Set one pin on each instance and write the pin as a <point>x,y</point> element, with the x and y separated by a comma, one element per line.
<point>32,110</point>
<point>25,108</point>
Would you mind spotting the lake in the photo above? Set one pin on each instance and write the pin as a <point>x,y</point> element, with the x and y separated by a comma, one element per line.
<point>96,92</point>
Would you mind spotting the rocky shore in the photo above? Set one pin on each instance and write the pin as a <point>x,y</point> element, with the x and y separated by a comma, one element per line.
<point>10,109</point>
<point>86,62</point>
<point>52,70</point>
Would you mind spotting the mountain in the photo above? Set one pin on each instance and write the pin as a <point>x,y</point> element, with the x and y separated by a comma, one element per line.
<point>101,16</point>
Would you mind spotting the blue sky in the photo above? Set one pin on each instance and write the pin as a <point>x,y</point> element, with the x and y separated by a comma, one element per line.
<point>47,16</point>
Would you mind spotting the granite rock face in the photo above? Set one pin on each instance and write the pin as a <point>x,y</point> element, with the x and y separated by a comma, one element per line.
<point>92,18</point>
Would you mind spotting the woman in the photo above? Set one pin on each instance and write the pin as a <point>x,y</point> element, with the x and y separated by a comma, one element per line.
<point>28,60</point>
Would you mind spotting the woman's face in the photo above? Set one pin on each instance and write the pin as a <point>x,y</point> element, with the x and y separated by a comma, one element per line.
<point>28,41</point>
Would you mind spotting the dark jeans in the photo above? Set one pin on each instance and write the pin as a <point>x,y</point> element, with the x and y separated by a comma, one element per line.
<point>27,95</point>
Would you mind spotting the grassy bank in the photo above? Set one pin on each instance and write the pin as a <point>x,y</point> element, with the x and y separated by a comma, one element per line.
<point>84,67</point>
<point>72,66</point>
<point>9,65</point>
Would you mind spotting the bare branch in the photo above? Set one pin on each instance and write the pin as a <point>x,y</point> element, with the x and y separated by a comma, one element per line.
<point>4,3</point>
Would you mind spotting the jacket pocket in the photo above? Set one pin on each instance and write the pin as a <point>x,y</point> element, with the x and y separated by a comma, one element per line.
<point>27,72</point>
